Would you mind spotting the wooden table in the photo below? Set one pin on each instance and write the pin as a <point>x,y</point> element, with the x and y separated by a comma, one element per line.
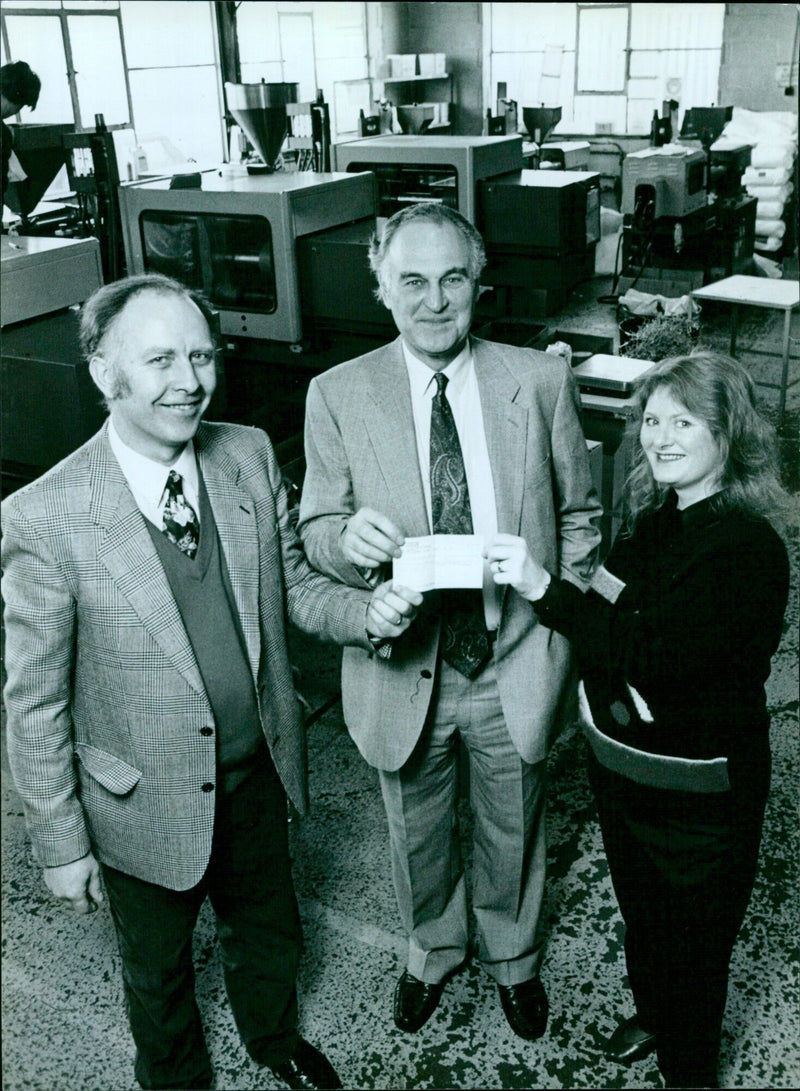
<point>780,295</point>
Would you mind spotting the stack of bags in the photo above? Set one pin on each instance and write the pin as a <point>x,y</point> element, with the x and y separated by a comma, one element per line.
<point>769,178</point>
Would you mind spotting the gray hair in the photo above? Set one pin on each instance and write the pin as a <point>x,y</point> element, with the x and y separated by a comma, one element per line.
<point>427,212</point>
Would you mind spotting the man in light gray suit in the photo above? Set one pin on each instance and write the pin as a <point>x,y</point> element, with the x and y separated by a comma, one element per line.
<point>442,432</point>
<point>153,727</point>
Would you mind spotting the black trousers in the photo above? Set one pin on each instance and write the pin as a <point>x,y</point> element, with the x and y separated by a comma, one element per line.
<point>249,884</point>
<point>683,866</point>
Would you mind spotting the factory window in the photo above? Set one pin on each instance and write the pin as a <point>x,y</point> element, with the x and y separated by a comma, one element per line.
<point>118,58</point>
<point>608,66</point>
<point>318,46</point>
<point>602,48</point>
<point>176,93</point>
<point>77,57</point>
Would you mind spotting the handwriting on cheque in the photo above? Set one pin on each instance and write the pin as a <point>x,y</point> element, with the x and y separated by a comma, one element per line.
<point>440,561</point>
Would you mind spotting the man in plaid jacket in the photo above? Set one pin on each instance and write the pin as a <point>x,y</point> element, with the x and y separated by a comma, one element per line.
<point>154,731</point>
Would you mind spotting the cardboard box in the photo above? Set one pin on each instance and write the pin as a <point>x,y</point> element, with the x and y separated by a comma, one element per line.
<point>402,66</point>
<point>432,64</point>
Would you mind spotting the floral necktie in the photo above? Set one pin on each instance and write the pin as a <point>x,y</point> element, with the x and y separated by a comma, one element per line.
<point>181,524</point>
<point>465,644</point>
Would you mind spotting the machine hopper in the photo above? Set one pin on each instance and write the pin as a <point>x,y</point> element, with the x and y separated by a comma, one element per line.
<point>260,109</point>
<point>540,121</point>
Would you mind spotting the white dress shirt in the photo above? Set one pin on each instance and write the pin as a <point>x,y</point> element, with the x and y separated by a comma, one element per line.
<point>148,479</point>
<point>464,397</point>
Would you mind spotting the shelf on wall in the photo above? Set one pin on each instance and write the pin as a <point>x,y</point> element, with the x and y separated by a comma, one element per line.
<point>412,79</point>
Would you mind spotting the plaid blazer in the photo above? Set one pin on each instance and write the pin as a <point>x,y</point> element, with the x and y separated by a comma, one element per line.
<point>104,697</point>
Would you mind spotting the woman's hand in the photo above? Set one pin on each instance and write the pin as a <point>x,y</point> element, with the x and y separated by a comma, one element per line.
<point>511,563</point>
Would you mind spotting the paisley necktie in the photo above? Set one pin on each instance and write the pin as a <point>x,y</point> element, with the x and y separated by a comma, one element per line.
<point>465,644</point>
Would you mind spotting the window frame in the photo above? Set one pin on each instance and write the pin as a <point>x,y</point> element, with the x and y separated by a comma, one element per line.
<point>504,63</point>
<point>581,7</point>
<point>63,15</point>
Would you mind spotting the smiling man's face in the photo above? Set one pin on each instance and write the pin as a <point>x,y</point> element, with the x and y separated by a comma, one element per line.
<point>428,288</point>
<point>157,368</point>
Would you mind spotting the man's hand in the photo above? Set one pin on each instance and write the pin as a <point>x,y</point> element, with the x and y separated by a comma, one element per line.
<point>370,539</point>
<point>76,884</point>
<point>511,563</point>
<point>391,610</point>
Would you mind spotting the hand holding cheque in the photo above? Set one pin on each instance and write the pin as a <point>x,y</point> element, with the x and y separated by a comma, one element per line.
<point>439,561</point>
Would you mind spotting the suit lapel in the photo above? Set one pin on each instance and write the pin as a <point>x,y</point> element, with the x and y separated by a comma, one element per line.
<point>235,516</point>
<point>389,423</point>
<point>128,553</point>
<point>506,425</point>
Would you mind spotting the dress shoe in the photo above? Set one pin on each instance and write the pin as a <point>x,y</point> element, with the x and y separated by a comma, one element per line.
<point>307,1068</point>
<point>525,1008</point>
<point>630,1042</point>
<point>415,1002</point>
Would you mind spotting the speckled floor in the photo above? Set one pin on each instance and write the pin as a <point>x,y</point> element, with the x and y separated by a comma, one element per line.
<point>64,1027</point>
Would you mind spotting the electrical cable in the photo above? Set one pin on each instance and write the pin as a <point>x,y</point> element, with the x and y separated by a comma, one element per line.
<point>614,297</point>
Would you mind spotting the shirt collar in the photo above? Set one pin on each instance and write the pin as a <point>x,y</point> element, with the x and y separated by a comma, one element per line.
<point>422,375</point>
<point>147,476</point>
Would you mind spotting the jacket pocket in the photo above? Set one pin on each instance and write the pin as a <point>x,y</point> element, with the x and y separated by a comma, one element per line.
<point>112,772</point>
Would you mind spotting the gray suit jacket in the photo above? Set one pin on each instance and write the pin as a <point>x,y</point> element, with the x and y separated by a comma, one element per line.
<point>361,452</point>
<point>104,696</point>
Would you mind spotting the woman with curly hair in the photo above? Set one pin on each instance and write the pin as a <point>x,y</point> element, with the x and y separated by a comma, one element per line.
<point>674,641</point>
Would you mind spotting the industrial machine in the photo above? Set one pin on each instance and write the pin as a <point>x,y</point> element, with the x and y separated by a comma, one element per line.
<point>235,239</point>
<point>540,121</point>
<point>49,403</point>
<point>93,175</point>
<point>683,205</point>
<point>430,168</point>
<point>233,234</point>
<point>665,210</point>
<point>90,209</point>
<point>507,110</point>
<point>540,228</point>
<point>273,120</point>
<point>40,150</point>
<point>665,181</point>
<point>546,154</point>
<point>733,210</point>
<point>260,110</point>
<point>704,125</point>
<point>565,155</point>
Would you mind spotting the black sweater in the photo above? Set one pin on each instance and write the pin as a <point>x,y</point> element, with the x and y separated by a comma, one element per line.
<point>693,631</point>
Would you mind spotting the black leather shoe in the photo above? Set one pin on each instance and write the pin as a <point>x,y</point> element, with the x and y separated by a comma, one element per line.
<point>415,1002</point>
<point>307,1068</point>
<point>630,1042</point>
<point>525,1007</point>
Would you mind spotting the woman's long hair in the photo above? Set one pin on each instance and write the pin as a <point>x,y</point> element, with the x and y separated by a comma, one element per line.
<point>716,389</point>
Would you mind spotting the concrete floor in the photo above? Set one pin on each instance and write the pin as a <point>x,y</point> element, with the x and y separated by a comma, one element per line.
<point>64,1026</point>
